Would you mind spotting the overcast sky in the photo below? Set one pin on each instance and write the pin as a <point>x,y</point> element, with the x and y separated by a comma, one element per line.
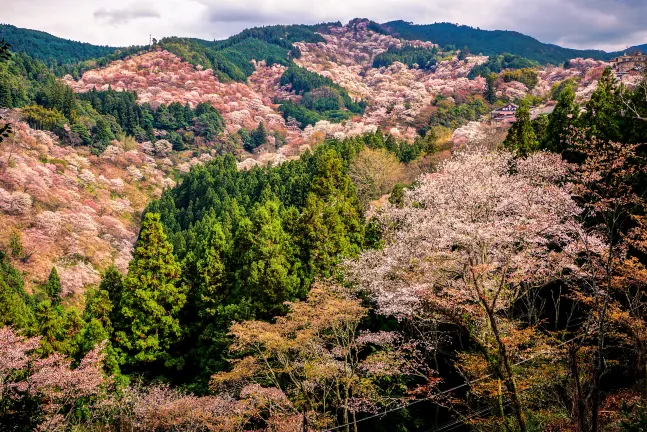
<point>603,24</point>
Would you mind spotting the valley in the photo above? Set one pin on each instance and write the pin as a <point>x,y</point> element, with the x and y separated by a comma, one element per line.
<point>321,227</point>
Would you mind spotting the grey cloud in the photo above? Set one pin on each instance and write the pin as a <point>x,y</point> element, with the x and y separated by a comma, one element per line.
<point>606,24</point>
<point>581,23</point>
<point>118,17</point>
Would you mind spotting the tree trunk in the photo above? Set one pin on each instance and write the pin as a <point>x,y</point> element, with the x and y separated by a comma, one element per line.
<point>599,369</point>
<point>504,364</point>
<point>579,402</point>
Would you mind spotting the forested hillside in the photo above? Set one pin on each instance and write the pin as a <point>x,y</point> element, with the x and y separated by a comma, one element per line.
<point>490,42</point>
<point>322,228</point>
<point>51,50</point>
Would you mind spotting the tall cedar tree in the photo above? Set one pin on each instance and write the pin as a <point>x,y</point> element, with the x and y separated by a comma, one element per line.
<point>53,287</point>
<point>565,115</point>
<point>5,100</point>
<point>521,136</point>
<point>331,225</point>
<point>203,270</point>
<point>152,297</point>
<point>267,271</point>
<point>602,116</point>
<point>490,88</point>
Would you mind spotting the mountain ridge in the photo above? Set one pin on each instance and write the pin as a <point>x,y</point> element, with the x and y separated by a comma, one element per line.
<point>55,50</point>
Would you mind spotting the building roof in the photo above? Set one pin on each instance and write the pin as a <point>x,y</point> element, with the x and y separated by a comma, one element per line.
<point>506,109</point>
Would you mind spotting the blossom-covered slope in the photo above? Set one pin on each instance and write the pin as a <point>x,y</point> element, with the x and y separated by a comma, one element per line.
<point>80,212</point>
<point>76,211</point>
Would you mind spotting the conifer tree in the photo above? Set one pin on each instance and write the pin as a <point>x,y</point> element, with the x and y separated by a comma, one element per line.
<point>53,287</point>
<point>602,115</point>
<point>521,136</point>
<point>490,88</point>
<point>266,275</point>
<point>5,55</point>
<point>565,115</point>
<point>152,297</point>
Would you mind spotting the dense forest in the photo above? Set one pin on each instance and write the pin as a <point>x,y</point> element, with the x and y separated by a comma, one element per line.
<point>490,42</point>
<point>51,50</point>
<point>322,99</point>
<point>365,286</point>
<point>97,117</point>
<point>414,57</point>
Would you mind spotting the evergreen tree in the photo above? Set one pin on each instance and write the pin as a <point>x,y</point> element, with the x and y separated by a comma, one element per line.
<point>565,115</point>
<point>257,138</point>
<point>5,91</point>
<point>602,116</point>
<point>49,327</point>
<point>53,287</point>
<point>521,136</point>
<point>152,297</point>
<point>6,100</point>
<point>102,134</point>
<point>490,88</point>
<point>266,275</point>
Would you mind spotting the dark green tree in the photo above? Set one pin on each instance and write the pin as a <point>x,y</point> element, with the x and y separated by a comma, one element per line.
<point>53,287</point>
<point>266,274</point>
<point>602,116</point>
<point>256,139</point>
<point>5,96</point>
<point>521,136</point>
<point>490,87</point>
<point>565,115</point>
<point>152,297</point>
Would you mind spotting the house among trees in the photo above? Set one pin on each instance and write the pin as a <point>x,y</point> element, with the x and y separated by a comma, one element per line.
<point>507,113</point>
<point>629,62</point>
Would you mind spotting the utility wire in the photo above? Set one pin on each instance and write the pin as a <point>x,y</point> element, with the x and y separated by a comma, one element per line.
<point>383,413</point>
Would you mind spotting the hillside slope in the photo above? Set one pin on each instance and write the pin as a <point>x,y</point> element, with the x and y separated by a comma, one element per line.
<point>50,49</point>
<point>490,42</point>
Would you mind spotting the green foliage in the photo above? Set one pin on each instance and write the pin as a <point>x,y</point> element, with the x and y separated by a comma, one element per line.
<point>39,117</point>
<point>16,306</point>
<point>231,58</point>
<point>50,49</point>
<point>499,63</point>
<point>558,88</point>
<point>322,98</point>
<point>152,297</point>
<point>490,42</point>
<point>448,113</point>
<point>139,120</point>
<point>266,274</point>
<point>521,136</point>
<point>250,240</point>
<point>601,114</point>
<point>527,76</point>
<point>565,115</point>
<point>414,57</point>
<point>52,287</point>
<point>490,87</point>
<point>15,244</point>
<point>256,138</point>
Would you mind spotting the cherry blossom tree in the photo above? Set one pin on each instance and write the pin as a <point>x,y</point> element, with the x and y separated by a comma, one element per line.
<point>316,356</point>
<point>41,392</point>
<point>468,243</point>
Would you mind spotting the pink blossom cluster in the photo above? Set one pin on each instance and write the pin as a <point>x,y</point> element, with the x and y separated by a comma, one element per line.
<point>49,381</point>
<point>475,218</point>
<point>162,77</point>
<point>74,210</point>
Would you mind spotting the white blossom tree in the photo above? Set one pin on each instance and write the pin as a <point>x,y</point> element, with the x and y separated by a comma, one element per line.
<point>468,243</point>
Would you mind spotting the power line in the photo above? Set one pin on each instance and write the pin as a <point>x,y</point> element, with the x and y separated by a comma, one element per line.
<point>383,413</point>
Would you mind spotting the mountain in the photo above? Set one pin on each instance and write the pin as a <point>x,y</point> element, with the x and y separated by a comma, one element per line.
<point>50,49</point>
<point>489,42</point>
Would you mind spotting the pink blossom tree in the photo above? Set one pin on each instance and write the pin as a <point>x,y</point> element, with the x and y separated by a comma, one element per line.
<point>468,243</point>
<point>40,392</point>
